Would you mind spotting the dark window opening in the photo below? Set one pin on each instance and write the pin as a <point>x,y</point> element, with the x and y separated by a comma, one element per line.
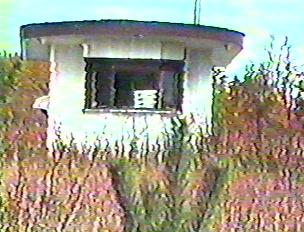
<point>133,84</point>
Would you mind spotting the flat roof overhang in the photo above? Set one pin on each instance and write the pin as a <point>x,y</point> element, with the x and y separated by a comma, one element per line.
<point>123,28</point>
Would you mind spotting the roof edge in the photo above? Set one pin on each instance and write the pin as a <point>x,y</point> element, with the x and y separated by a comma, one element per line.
<point>122,21</point>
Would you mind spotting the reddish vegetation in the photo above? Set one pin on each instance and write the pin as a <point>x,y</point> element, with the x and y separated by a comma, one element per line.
<point>262,139</point>
<point>26,126</point>
<point>43,192</point>
<point>260,142</point>
<point>49,193</point>
<point>265,202</point>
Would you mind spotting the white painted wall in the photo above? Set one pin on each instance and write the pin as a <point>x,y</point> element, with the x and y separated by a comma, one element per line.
<point>33,49</point>
<point>125,48</point>
<point>67,92</point>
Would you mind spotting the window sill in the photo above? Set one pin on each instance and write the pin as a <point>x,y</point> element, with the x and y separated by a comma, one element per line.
<point>133,111</point>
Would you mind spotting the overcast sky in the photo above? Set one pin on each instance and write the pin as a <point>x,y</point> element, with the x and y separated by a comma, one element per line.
<point>256,18</point>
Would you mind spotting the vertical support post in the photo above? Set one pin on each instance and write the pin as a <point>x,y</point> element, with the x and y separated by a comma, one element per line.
<point>85,49</point>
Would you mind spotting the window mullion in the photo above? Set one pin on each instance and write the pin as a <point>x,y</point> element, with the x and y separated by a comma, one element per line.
<point>112,89</point>
<point>93,90</point>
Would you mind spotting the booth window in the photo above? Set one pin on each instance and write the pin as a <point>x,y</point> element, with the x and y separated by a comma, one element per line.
<point>133,84</point>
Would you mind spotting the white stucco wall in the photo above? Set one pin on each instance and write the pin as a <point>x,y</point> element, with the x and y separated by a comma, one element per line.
<point>198,86</point>
<point>123,48</point>
<point>34,49</point>
<point>67,92</point>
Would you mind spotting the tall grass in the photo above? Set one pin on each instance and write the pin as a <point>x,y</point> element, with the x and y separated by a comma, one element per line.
<point>254,158</point>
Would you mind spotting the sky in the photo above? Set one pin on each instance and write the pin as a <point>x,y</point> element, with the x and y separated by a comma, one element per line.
<point>258,19</point>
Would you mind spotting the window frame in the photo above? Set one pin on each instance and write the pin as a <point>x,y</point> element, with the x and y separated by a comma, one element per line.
<point>111,66</point>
